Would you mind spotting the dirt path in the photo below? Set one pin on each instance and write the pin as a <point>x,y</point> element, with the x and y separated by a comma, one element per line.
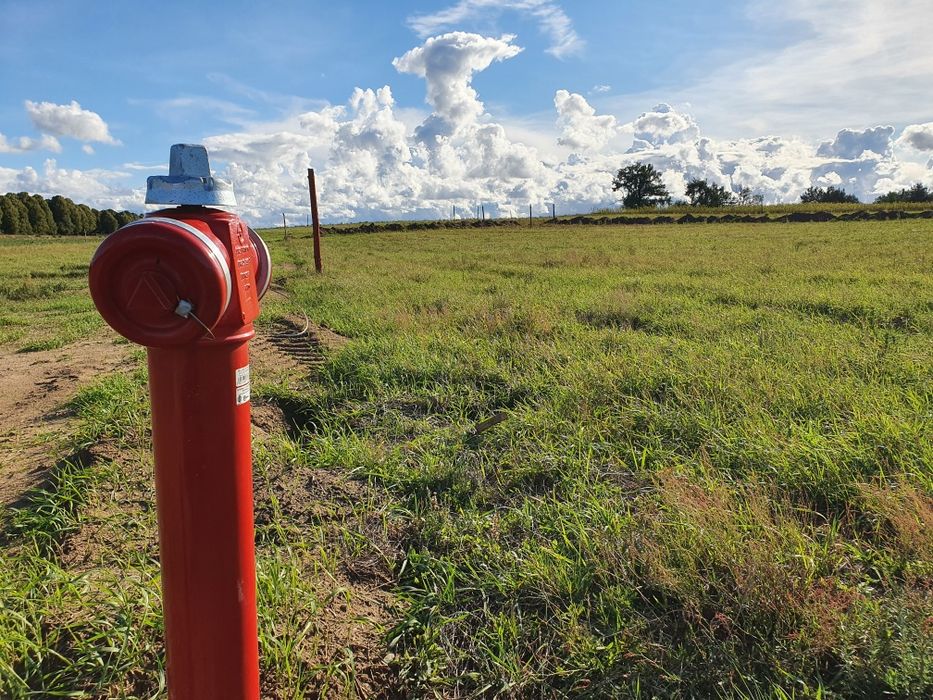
<point>34,387</point>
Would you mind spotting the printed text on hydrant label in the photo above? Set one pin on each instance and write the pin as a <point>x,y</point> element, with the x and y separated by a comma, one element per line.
<point>242,385</point>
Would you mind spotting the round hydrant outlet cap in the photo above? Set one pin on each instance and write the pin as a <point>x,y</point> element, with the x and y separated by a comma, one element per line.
<point>140,275</point>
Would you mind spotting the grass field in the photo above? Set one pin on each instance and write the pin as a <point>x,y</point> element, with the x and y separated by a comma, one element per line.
<point>658,461</point>
<point>43,288</point>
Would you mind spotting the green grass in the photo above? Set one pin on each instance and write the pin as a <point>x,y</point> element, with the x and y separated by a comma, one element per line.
<point>66,632</point>
<point>713,477</point>
<point>80,610</point>
<point>43,290</point>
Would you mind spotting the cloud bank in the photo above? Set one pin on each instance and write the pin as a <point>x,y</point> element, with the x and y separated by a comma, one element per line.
<point>373,163</point>
<point>371,166</point>
<point>98,188</point>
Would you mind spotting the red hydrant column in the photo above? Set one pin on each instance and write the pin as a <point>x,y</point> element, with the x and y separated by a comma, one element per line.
<point>201,439</point>
<point>186,283</point>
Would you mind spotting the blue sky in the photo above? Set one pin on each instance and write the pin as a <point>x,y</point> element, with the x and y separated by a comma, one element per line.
<point>510,102</point>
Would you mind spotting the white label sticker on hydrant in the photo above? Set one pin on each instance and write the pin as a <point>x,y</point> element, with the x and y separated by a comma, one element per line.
<point>242,394</point>
<point>242,376</point>
<point>242,385</point>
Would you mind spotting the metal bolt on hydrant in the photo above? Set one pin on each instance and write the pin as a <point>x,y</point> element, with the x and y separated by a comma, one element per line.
<point>186,282</point>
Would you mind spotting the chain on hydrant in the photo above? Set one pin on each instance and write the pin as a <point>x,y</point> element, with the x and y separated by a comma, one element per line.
<point>186,282</point>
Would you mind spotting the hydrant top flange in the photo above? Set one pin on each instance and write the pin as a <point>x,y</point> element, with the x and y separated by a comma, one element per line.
<point>189,180</point>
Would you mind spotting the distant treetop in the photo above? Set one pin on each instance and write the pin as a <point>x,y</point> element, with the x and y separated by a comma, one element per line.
<point>917,193</point>
<point>642,185</point>
<point>702,194</point>
<point>831,195</point>
<point>31,214</point>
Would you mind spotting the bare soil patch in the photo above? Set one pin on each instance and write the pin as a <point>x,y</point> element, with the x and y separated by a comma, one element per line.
<point>356,604</point>
<point>35,387</point>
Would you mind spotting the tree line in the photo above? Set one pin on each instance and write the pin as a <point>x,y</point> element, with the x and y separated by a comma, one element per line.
<point>642,187</point>
<point>31,214</point>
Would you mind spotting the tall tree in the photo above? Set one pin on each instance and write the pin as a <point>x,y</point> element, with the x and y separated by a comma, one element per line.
<point>86,219</point>
<point>63,211</point>
<point>125,217</point>
<point>745,197</point>
<point>107,222</point>
<point>40,216</point>
<point>14,217</point>
<point>702,194</point>
<point>642,186</point>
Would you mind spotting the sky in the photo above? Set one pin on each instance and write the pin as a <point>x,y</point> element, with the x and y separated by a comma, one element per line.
<point>417,109</point>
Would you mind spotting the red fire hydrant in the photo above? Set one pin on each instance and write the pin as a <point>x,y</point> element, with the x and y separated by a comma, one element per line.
<point>186,282</point>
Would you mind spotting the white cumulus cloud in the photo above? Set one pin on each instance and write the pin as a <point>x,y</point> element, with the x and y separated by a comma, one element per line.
<point>580,126</point>
<point>852,143</point>
<point>663,125</point>
<point>24,144</point>
<point>69,120</point>
<point>447,63</point>
<point>918,136</point>
<point>551,19</point>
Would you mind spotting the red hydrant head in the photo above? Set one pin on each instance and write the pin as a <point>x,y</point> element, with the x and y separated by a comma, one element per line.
<point>184,274</point>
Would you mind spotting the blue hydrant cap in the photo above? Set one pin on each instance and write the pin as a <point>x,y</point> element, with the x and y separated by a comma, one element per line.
<point>189,180</point>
